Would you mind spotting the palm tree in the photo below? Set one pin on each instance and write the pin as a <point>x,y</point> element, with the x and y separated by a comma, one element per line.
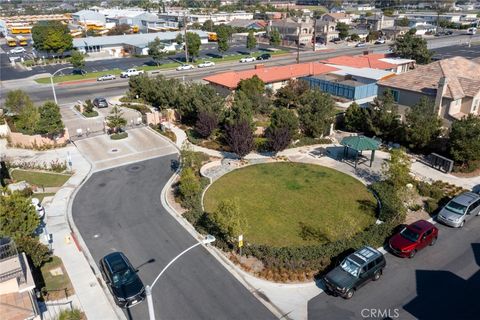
<point>115,121</point>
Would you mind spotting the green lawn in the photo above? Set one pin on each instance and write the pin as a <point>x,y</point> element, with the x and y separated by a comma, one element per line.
<point>293,204</point>
<point>171,65</point>
<point>40,179</point>
<point>41,196</point>
<point>56,284</point>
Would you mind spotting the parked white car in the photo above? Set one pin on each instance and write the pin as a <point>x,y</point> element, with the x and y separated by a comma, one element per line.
<point>206,64</point>
<point>185,67</point>
<point>17,50</point>
<point>380,41</point>
<point>39,208</point>
<point>106,77</point>
<point>247,59</point>
<point>131,73</point>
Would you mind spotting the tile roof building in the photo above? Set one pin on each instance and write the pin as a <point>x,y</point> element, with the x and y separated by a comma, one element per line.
<point>274,77</point>
<point>454,85</point>
<point>373,61</point>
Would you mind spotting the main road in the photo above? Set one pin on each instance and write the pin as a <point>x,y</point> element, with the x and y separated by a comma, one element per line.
<point>82,91</point>
<point>120,210</point>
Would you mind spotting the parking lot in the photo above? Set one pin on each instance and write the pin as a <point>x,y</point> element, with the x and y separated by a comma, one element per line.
<point>141,143</point>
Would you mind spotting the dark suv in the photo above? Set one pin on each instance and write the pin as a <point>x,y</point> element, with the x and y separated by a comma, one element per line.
<point>100,103</point>
<point>356,270</point>
<point>264,56</point>
<point>122,280</point>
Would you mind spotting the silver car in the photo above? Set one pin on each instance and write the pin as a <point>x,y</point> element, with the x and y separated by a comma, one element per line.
<point>460,209</point>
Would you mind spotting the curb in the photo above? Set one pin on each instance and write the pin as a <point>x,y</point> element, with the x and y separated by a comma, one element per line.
<point>81,243</point>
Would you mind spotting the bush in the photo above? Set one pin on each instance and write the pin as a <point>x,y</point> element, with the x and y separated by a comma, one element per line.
<point>143,109</point>
<point>431,205</point>
<point>260,144</point>
<point>73,314</point>
<point>91,114</point>
<point>36,251</point>
<point>392,208</point>
<point>119,136</point>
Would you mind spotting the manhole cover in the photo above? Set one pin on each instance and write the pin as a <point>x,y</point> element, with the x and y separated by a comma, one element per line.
<point>135,168</point>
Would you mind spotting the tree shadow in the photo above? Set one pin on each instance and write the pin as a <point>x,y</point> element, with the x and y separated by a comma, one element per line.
<point>442,294</point>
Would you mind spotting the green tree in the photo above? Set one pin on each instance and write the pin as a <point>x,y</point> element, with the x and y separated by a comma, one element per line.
<point>316,113</point>
<point>252,86</point>
<point>354,37</point>
<point>404,22</point>
<point>50,122</point>
<point>18,218</point>
<point>230,219</point>
<point>36,251</point>
<point>465,140</point>
<point>77,60</point>
<point>373,35</point>
<point>28,119</point>
<point>156,50</point>
<point>189,187</point>
<point>290,95</point>
<point>115,121</point>
<point>385,117</point>
<point>285,118</point>
<point>17,100</point>
<point>342,29</point>
<point>208,26</point>
<point>242,109</point>
<point>120,29</point>
<point>179,38</point>
<point>251,40</point>
<point>422,124</point>
<point>190,158</point>
<point>411,46</point>
<point>223,37</point>
<point>275,38</point>
<point>51,36</point>
<point>358,119</point>
<point>193,44</point>
<point>397,170</point>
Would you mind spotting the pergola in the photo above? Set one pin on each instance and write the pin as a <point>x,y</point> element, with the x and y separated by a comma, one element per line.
<point>360,144</point>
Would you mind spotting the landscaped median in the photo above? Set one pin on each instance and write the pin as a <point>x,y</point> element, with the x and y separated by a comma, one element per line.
<point>171,65</point>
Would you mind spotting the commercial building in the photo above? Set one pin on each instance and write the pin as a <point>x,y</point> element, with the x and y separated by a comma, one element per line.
<point>122,45</point>
<point>453,84</point>
<point>273,77</point>
<point>17,288</point>
<point>178,17</point>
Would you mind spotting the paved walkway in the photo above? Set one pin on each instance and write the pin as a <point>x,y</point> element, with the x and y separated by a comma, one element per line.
<point>92,299</point>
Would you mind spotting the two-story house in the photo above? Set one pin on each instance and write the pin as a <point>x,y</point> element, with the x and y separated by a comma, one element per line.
<point>452,84</point>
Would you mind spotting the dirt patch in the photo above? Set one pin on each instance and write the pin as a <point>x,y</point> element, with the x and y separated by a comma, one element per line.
<point>474,173</point>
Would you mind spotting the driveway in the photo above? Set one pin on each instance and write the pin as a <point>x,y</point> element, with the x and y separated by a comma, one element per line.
<point>141,143</point>
<point>120,209</point>
<point>441,282</point>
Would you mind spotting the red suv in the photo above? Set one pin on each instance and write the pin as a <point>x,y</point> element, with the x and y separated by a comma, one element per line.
<point>413,238</point>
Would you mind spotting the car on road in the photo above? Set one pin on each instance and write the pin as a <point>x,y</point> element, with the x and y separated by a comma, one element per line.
<point>39,208</point>
<point>17,50</point>
<point>122,279</point>
<point>247,59</point>
<point>380,41</point>
<point>130,73</point>
<point>106,77</point>
<point>448,32</point>
<point>460,209</point>
<point>264,56</point>
<point>79,72</point>
<point>413,238</point>
<point>184,67</point>
<point>355,271</point>
<point>100,102</point>
<point>206,64</point>
<point>360,45</point>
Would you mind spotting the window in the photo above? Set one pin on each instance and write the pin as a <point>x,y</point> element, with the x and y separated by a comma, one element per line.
<point>396,95</point>
<point>371,265</point>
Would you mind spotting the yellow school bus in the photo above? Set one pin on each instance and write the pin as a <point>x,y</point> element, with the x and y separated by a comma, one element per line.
<point>212,37</point>
<point>12,42</point>
<point>21,29</point>
<point>22,41</point>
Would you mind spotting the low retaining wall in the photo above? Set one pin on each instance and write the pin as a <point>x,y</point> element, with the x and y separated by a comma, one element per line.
<point>20,140</point>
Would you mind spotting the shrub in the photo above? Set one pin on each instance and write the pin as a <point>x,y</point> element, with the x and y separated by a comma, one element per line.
<point>143,109</point>
<point>119,136</point>
<point>260,144</point>
<point>415,207</point>
<point>36,251</point>
<point>73,314</point>
<point>91,114</point>
<point>431,205</point>
<point>392,208</point>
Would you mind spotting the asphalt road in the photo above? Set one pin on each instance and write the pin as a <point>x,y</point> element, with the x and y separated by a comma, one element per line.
<point>441,282</point>
<point>120,209</point>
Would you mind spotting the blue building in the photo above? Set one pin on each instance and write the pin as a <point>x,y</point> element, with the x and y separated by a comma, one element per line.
<point>355,84</point>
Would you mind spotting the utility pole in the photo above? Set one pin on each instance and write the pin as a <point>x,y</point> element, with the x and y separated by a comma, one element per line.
<point>185,37</point>
<point>314,32</point>
<point>298,42</point>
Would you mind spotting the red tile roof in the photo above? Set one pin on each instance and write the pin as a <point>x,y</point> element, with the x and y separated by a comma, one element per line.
<point>365,61</point>
<point>270,74</point>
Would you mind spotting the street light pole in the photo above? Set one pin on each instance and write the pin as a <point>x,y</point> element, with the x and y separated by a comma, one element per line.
<point>51,82</point>
<point>148,289</point>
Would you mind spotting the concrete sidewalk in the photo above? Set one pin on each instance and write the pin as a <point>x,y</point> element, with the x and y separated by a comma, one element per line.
<point>92,298</point>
